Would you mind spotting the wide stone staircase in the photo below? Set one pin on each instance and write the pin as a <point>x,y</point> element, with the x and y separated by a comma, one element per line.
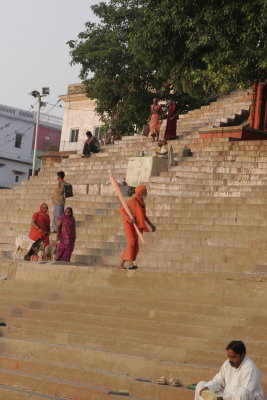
<point>89,331</point>
<point>228,110</point>
<point>79,333</point>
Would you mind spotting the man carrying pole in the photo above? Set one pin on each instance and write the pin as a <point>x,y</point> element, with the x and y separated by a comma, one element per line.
<point>136,219</point>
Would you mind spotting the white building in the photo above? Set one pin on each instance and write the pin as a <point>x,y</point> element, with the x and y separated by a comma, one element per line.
<point>79,117</point>
<point>16,133</point>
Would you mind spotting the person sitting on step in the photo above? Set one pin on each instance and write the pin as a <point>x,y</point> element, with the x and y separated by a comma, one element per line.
<point>238,378</point>
<point>91,145</point>
<point>162,149</point>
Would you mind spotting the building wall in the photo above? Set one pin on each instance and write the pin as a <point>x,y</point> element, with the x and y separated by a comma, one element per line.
<point>12,172</point>
<point>49,133</point>
<point>16,161</point>
<point>79,113</point>
<point>14,122</point>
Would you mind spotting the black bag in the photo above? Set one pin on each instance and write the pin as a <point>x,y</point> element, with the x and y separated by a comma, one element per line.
<point>68,191</point>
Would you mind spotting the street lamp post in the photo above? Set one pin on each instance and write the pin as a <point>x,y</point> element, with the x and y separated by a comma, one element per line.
<point>36,94</point>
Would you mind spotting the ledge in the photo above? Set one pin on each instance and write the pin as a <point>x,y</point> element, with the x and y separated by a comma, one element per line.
<point>233,132</point>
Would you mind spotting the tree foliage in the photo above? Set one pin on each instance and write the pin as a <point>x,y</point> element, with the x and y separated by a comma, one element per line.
<point>184,49</point>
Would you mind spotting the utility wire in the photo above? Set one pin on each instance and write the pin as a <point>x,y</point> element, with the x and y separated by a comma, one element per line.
<point>10,123</point>
<point>29,125</point>
<point>70,108</point>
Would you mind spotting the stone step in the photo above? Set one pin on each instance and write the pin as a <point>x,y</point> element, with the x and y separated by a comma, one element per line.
<point>178,353</point>
<point>85,358</point>
<point>177,184</point>
<point>177,325</point>
<point>216,219</point>
<point>216,116</point>
<point>222,163</point>
<point>208,175</point>
<point>207,181</point>
<point>12,393</point>
<point>214,260</point>
<point>110,307</point>
<point>83,277</point>
<point>144,390</point>
<point>34,354</point>
<point>219,169</point>
<point>132,285</point>
<point>54,386</point>
<point>217,107</point>
<point>208,215</point>
<point>109,296</point>
<point>160,300</point>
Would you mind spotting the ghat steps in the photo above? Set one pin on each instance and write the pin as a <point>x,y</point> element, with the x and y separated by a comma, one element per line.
<point>75,331</point>
<point>81,330</point>
<point>229,110</point>
<point>216,181</point>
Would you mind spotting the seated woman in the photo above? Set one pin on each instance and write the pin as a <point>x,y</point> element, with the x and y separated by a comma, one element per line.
<point>40,230</point>
<point>162,149</point>
<point>66,235</point>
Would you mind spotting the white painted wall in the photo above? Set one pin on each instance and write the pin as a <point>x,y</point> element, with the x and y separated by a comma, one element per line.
<point>10,170</point>
<point>79,113</point>
<point>15,161</point>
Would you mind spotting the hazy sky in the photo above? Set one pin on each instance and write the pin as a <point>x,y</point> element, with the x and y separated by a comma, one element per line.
<point>33,50</point>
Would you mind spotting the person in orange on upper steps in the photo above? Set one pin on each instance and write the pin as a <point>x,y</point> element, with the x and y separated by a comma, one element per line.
<point>137,207</point>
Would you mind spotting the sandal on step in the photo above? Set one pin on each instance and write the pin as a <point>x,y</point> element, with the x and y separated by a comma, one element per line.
<point>133,267</point>
<point>162,381</point>
<point>174,382</point>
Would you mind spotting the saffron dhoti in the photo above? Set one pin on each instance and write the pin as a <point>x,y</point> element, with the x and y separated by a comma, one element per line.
<point>137,207</point>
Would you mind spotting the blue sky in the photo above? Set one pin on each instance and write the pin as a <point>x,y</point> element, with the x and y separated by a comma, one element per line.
<point>34,54</point>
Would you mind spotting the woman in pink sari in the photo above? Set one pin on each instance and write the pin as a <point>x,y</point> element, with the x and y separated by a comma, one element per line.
<point>154,119</point>
<point>170,132</point>
<point>66,235</point>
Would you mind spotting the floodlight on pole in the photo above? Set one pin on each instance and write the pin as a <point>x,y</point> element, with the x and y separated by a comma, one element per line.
<point>36,94</point>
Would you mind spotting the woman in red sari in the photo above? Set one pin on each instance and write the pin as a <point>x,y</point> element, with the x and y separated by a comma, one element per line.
<point>40,230</point>
<point>170,132</point>
<point>66,235</point>
<point>154,119</point>
<point>137,207</point>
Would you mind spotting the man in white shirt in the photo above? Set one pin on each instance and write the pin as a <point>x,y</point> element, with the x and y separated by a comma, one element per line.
<point>238,378</point>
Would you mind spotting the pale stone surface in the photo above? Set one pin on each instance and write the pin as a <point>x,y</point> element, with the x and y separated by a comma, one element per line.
<point>201,280</point>
<point>140,169</point>
<point>79,114</point>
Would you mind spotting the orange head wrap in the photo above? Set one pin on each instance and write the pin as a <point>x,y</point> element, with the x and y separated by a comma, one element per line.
<point>140,189</point>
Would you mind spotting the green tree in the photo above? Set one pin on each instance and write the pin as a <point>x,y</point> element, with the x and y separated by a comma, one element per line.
<point>120,85</point>
<point>208,47</point>
<point>188,50</point>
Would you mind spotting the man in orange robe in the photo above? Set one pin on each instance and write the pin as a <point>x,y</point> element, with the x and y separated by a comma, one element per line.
<point>137,207</point>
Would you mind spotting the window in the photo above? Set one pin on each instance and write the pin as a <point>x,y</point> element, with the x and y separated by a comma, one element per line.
<point>74,133</point>
<point>18,140</point>
<point>46,143</point>
<point>16,178</point>
<point>98,131</point>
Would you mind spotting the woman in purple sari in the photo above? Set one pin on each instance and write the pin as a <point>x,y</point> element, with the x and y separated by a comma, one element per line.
<point>66,235</point>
